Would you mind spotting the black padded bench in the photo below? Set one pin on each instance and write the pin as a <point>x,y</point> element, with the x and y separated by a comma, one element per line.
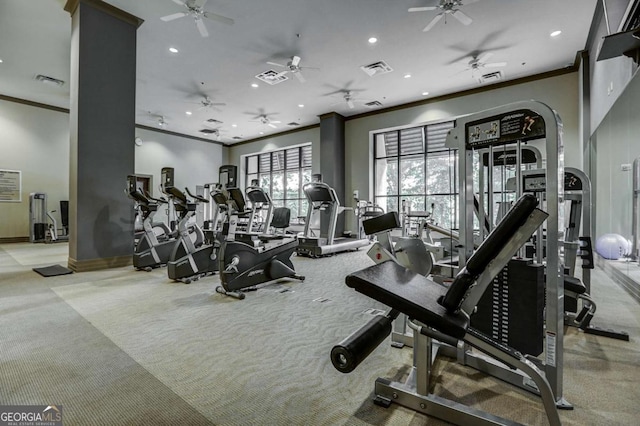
<point>410,293</point>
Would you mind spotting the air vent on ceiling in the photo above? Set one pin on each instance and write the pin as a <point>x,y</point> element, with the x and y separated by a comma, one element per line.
<point>49,80</point>
<point>212,122</point>
<point>376,68</point>
<point>208,131</point>
<point>293,123</point>
<point>373,104</point>
<point>272,77</point>
<point>490,78</point>
<point>236,138</point>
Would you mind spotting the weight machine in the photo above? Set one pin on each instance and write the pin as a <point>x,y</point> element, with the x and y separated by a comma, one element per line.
<point>435,310</point>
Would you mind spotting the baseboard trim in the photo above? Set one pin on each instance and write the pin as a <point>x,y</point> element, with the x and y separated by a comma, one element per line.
<point>7,240</point>
<point>626,282</point>
<point>99,264</point>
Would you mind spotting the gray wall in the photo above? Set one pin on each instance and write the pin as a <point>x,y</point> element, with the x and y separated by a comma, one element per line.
<point>609,78</point>
<point>615,89</point>
<point>274,143</point>
<point>36,141</point>
<point>560,93</point>
<point>195,162</point>
<point>616,142</point>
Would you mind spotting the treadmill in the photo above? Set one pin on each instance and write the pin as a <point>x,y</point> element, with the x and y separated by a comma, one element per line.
<point>319,237</point>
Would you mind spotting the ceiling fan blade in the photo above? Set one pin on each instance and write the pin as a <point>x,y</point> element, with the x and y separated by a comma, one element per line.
<point>275,121</point>
<point>218,104</point>
<point>484,56</point>
<point>276,64</point>
<point>272,125</point>
<point>300,77</point>
<point>461,71</point>
<point>496,65</point>
<point>295,61</point>
<point>173,16</point>
<point>180,2</point>
<point>462,17</point>
<point>219,18</point>
<point>351,104</point>
<point>422,9</point>
<point>202,28</point>
<point>433,22</point>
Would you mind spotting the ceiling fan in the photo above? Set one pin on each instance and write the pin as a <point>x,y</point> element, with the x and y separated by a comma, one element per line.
<point>447,7</point>
<point>478,62</point>
<point>264,119</point>
<point>196,11</point>
<point>217,133</point>
<point>162,122</point>
<point>207,103</point>
<point>293,67</point>
<point>347,96</point>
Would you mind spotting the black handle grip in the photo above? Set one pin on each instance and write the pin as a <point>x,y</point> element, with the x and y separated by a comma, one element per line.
<point>349,353</point>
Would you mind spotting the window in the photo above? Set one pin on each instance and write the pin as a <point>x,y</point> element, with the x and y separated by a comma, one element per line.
<point>282,174</point>
<point>413,166</point>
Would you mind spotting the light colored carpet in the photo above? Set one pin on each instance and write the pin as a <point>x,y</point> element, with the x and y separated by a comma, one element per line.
<point>136,342</point>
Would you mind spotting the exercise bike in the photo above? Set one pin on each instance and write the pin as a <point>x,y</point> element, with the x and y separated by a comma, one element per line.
<point>188,261</point>
<point>149,251</point>
<point>243,267</point>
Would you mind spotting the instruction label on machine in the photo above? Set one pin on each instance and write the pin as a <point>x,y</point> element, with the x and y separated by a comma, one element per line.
<point>522,125</point>
<point>550,350</point>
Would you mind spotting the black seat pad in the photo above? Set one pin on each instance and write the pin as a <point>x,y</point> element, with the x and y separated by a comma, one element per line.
<point>574,285</point>
<point>409,293</point>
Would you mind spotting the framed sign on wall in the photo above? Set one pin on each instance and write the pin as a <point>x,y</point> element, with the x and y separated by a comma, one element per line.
<point>10,186</point>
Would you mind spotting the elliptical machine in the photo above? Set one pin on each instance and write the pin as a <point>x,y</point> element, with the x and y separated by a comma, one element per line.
<point>243,266</point>
<point>188,261</point>
<point>149,252</point>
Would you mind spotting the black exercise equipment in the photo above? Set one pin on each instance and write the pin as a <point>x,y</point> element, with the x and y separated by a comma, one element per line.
<point>443,314</point>
<point>244,266</point>
<point>188,261</point>
<point>148,252</point>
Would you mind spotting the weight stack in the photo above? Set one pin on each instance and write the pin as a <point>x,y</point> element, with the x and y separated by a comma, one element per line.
<point>511,309</point>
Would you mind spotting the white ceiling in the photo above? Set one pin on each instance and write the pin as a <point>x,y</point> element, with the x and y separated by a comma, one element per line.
<point>329,34</point>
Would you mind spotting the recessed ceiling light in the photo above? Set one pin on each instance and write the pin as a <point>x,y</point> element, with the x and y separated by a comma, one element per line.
<point>254,85</point>
<point>173,50</point>
<point>300,105</point>
<point>407,76</point>
<point>1,61</point>
<point>373,40</point>
<point>262,133</point>
<point>555,33</point>
<point>188,112</point>
<point>425,93</point>
<point>234,125</point>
